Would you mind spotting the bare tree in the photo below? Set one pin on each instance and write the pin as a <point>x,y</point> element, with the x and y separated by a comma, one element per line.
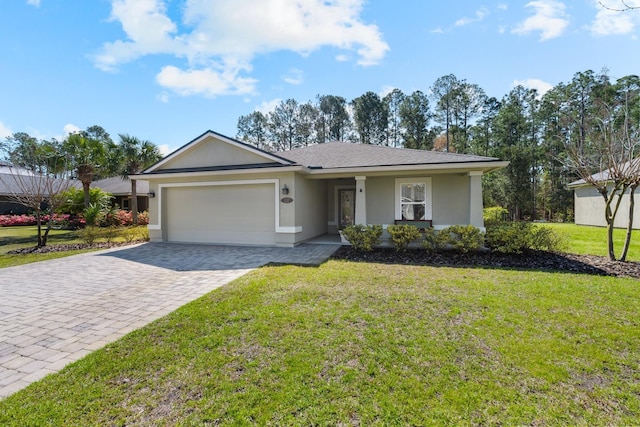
<point>38,175</point>
<point>39,192</point>
<point>625,5</point>
<point>610,160</point>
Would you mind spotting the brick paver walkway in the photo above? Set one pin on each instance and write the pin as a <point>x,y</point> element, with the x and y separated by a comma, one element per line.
<point>55,312</point>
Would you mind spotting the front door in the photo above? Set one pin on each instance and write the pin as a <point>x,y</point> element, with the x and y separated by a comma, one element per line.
<point>347,207</point>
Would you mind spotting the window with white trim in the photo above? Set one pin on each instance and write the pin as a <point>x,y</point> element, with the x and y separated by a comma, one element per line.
<point>413,199</point>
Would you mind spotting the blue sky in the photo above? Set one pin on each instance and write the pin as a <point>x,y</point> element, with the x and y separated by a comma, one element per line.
<point>168,70</point>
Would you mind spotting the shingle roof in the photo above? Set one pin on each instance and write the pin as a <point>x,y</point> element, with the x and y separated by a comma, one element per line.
<point>118,186</point>
<point>11,184</point>
<point>347,155</point>
<point>605,174</point>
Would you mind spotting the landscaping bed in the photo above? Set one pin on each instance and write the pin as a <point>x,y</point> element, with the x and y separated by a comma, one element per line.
<point>532,260</point>
<point>69,247</point>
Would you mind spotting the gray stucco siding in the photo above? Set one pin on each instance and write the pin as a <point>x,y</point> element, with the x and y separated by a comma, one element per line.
<point>589,208</point>
<point>310,209</point>
<point>450,199</point>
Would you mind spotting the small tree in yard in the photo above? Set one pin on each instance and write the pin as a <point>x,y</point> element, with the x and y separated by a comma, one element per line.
<point>89,154</point>
<point>135,155</point>
<point>609,159</point>
<point>36,179</point>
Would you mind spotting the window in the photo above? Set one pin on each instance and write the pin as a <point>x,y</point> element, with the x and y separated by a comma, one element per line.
<point>412,204</point>
<point>413,199</point>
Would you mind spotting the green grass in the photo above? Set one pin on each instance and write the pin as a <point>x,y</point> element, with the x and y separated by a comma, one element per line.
<point>365,344</point>
<point>585,240</point>
<point>12,238</point>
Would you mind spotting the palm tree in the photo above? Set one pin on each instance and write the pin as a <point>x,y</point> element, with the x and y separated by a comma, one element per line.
<point>135,155</point>
<point>87,156</point>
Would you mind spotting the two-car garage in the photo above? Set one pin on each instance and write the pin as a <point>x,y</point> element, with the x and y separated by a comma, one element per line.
<point>225,213</point>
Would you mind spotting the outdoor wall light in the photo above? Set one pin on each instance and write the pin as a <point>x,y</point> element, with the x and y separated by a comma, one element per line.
<point>152,194</point>
<point>285,189</point>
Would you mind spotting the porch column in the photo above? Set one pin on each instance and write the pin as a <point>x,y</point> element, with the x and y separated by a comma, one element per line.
<point>475,199</point>
<point>361,200</point>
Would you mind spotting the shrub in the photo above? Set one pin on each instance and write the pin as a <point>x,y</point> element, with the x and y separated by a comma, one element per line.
<point>518,237</point>
<point>18,220</point>
<point>126,217</point>
<point>546,239</point>
<point>508,237</point>
<point>93,214</point>
<point>109,233</point>
<point>73,200</point>
<point>494,215</point>
<point>134,234</point>
<point>143,219</point>
<point>461,238</point>
<point>363,237</point>
<point>403,235</point>
<point>90,234</point>
<point>430,240</point>
<point>143,234</point>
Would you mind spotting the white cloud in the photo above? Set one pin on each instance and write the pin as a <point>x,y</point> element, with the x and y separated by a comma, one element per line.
<point>480,15</point>
<point>268,106</point>
<point>164,149</point>
<point>438,30</point>
<point>225,35</point>
<point>503,6</point>
<point>342,58</point>
<point>549,19</point>
<point>5,131</point>
<point>35,3</point>
<point>610,20</point>
<point>540,85</point>
<point>206,81</point>
<point>294,76</point>
<point>69,129</point>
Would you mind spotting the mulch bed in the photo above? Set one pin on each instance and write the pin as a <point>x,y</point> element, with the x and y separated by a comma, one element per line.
<point>68,247</point>
<point>534,260</point>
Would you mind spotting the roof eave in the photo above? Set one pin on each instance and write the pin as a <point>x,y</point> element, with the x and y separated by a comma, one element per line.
<point>280,169</point>
<point>485,167</point>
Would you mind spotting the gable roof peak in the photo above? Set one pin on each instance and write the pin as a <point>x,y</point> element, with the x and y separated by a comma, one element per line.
<point>220,137</point>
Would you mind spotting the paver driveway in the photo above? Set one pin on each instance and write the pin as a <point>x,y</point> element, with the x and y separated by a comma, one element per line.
<point>55,312</point>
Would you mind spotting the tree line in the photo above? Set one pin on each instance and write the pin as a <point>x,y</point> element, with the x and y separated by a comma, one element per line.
<point>535,133</point>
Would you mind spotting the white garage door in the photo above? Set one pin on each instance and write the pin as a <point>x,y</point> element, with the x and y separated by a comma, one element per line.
<point>229,214</point>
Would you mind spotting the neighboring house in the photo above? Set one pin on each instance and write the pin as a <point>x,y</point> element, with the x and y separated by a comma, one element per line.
<point>14,181</point>
<point>9,187</point>
<point>589,204</point>
<point>216,189</point>
<point>121,190</point>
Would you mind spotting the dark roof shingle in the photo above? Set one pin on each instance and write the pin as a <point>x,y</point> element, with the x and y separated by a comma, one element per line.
<point>332,155</point>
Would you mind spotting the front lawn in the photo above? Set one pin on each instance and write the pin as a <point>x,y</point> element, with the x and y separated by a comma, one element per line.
<point>366,344</point>
<point>12,238</point>
<point>586,240</point>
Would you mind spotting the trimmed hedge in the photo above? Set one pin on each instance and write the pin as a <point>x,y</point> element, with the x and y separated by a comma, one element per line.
<point>403,235</point>
<point>519,237</point>
<point>363,237</point>
<point>461,238</point>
